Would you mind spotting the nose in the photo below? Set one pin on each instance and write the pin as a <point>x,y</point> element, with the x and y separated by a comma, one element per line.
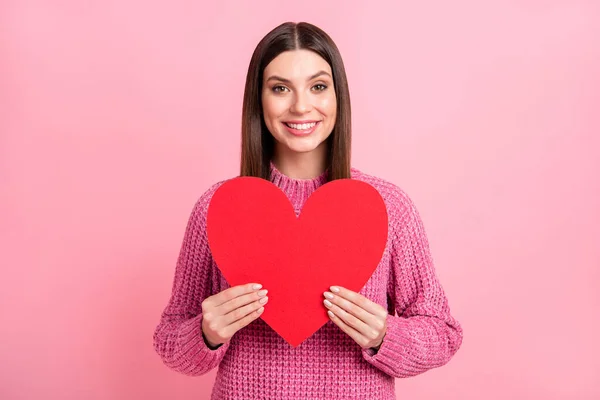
<point>301,104</point>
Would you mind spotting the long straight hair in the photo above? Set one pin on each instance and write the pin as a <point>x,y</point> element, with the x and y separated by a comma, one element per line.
<point>258,144</point>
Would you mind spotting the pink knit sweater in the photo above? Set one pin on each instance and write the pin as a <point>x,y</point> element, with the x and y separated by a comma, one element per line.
<point>258,364</point>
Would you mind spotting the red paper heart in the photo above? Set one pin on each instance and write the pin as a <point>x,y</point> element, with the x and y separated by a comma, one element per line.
<point>338,239</point>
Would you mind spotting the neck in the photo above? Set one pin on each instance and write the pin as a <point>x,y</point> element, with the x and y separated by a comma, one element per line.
<point>301,165</point>
<point>297,190</point>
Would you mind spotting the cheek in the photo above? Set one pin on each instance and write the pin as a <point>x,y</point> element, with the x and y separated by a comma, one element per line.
<point>273,108</point>
<point>266,106</point>
<point>328,105</point>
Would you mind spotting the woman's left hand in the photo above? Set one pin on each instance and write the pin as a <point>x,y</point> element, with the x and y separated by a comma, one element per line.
<point>360,318</point>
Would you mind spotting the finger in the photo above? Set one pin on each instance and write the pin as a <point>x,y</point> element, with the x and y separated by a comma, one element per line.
<point>359,300</point>
<point>241,301</point>
<point>352,308</point>
<point>348,318</point>
<point>240,323</point>
<point>241,312</point>
<point>233,292</point>
<point>356,336</point>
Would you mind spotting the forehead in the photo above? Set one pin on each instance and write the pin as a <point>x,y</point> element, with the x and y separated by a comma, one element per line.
<point>296,64</point>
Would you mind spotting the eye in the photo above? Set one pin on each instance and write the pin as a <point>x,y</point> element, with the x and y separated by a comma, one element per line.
<point>279,89</point>
<point>321,86</point>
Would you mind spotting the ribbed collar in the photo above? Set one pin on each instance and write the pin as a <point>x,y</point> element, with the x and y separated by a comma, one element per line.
<point>297,190</point>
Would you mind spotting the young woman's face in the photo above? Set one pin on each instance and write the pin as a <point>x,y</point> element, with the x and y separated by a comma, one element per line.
<point>299,103</point>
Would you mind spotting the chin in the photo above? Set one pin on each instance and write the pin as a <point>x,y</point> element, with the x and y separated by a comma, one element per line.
<point>305,146</point>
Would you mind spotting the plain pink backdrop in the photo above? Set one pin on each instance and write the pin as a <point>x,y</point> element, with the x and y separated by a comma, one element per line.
<point>117,115</point>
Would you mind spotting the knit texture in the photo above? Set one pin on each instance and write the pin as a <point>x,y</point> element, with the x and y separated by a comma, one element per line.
<point>258,364</point>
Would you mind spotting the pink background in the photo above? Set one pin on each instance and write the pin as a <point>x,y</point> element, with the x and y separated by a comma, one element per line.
<point>117,115</point>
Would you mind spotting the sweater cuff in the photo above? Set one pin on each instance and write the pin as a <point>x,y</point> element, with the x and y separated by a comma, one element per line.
<point>392,355</point>
<point>193,347</point>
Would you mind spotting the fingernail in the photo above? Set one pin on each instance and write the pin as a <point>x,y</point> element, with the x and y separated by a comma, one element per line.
<point>335,289</point>
<point>263,300</point>
<point>328,295</point>
<point>260,310</point>
<point>256,286</point>
<point>327,303</point>
<point>331,314</point>
<point>263,293</point>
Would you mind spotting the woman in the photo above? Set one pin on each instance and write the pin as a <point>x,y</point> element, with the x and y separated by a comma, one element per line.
<point>296,133</point>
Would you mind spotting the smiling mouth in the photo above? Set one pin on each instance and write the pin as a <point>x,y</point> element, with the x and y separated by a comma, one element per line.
<point>302,127</point>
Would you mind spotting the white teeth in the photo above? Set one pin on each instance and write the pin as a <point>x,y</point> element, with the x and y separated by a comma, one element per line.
<point>302,126</point>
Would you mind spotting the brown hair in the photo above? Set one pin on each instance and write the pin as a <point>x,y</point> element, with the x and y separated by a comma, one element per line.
<point>257,142</point>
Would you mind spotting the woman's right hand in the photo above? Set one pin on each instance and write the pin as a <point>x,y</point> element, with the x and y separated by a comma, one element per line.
<point>227,312</point>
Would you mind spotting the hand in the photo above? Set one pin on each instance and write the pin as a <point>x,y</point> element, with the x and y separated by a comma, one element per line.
<point>227,312</point>
<point>360,318</point>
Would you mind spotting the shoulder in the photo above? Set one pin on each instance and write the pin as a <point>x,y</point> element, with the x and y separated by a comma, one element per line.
<point>396,199</point>
<point>200,208</point>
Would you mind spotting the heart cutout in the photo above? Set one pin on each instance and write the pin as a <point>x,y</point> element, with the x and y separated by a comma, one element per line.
<point>338,239</point>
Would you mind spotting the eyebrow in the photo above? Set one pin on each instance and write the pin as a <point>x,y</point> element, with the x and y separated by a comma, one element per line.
<point>278,78</point>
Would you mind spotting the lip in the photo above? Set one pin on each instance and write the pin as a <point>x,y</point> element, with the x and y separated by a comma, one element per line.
<point>299,132</point>
<point>297,121</point>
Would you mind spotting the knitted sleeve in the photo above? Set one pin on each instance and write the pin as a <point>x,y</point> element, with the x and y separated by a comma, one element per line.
<point>423,335</point>
<point>178,338</point>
